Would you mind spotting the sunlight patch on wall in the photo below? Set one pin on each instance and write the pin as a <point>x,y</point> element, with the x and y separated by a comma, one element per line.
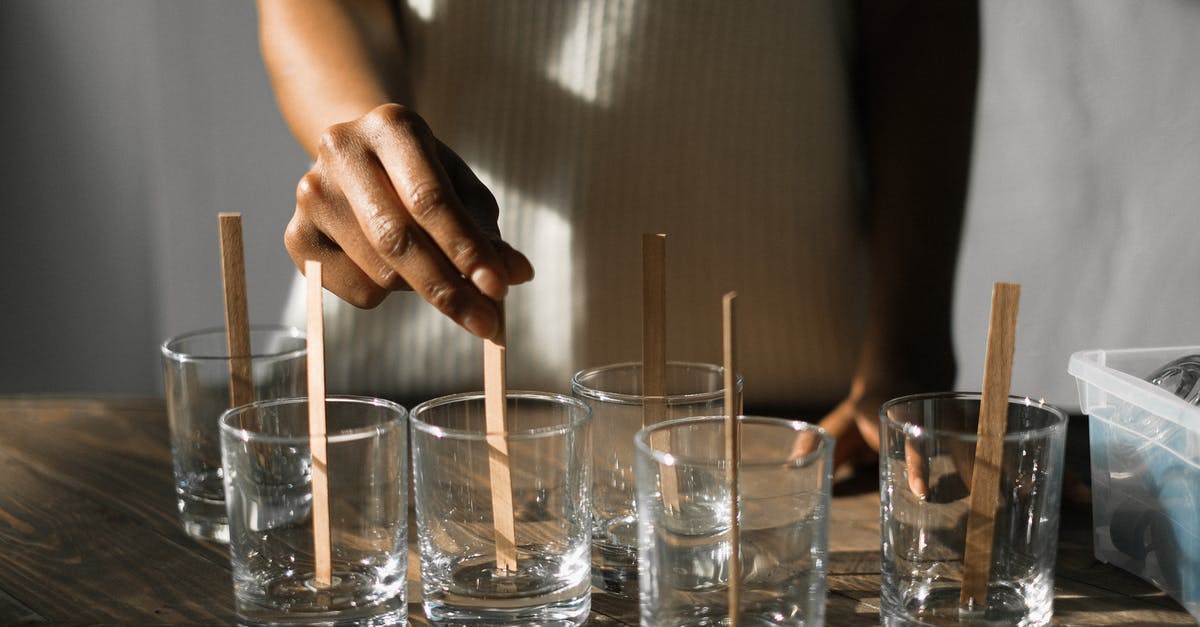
<point>584,62</point>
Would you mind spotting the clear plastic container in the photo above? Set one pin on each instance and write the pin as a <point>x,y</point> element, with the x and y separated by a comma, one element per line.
<point>1145,449</point>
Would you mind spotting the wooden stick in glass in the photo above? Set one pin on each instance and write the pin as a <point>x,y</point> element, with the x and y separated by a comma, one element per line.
<point>323,577</point>
<point>237,320</point>
<point>654,349</point>
<point>733,456</point>
<point>495,386</point>
<point>654,327</point>
<point>993,419</point>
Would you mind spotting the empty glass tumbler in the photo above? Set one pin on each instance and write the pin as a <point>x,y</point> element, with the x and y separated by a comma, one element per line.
<point>685,522</point>
<point>619,410</point>
<point>467,577</point>
<point>269,484</point>
<point>196,378</point>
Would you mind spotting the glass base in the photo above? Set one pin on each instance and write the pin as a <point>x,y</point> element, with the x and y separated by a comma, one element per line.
<point>614,569</point>
<point>548,590</point>
<point>206,529</point>
<point>1006,607</point>
<point>533,596</point>
<point>719,617</point>
<point>568,613</point>
<point>351,600</point>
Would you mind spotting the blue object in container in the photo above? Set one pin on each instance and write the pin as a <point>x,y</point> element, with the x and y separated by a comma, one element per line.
<point>1179,495</point>
<point>1156,533</point>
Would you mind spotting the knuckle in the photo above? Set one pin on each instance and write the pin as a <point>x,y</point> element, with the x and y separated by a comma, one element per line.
<point>427,200</point>
<point>394,116</point>
<point>465,254</point>
<point>442,296</point>
<point>309,190</point>
<point>389,279</point>
<point>338,139</point>
<point>392,237</point>
<point>300,237</point>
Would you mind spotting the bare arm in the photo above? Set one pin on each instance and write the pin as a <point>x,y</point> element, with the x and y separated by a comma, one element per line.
<point>386,205</point>
<point>917,79</point>
<point>331,61</point>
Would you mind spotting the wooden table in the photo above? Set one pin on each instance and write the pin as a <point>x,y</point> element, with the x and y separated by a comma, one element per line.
<point>88,534</point>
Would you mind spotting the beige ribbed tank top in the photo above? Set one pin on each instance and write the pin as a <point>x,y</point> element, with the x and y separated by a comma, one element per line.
<point>724,124</point>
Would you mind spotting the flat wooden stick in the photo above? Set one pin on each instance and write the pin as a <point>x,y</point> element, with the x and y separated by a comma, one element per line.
<point>733,453</point>
<point>654,327</point>
<point>323,577</point>
<point>654,350</point>
<point>237,320</point>
<point>495,397</point>
<point>993,419</point>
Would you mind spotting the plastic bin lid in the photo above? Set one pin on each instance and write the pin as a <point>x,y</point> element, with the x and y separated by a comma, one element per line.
<point>1089,367</point>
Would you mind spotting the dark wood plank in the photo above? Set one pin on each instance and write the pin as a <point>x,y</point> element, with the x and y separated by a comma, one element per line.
<point>608,609</point>
<point>13,612</point>
<point>100,542</point>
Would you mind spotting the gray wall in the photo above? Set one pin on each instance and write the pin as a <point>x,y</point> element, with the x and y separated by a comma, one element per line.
<point>1085,185</point>
<point>128,125</point>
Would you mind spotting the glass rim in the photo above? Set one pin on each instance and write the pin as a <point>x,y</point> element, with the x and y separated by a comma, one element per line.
<point>917,431</point>
<point>333,437</point>
<point>592,393</point>
<point>282,330</point>
<point>642,443</point>
<point>574,420</point>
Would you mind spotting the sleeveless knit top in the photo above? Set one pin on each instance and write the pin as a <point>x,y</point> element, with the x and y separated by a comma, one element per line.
<point>726,125</point>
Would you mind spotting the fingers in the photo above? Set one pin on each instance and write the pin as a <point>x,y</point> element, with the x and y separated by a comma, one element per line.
<point>386,207</point>
<point>845,424</point>
<point>429,201</point>
<point>340,274</point>
<point>476,195</point>
<point>354,271</point>
<point>518,266</point>
<point>917,469</point>
<point>806,442</point>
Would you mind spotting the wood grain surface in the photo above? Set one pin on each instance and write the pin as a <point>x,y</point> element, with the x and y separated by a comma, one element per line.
<point>88,534</point>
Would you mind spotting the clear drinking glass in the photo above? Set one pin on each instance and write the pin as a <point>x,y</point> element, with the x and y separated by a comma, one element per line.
<point>549,445</point>
<point>619,408</point>
<point>928,446</point>
<point>684,522</point>
<point>268,482</point>
<point>196,377</point>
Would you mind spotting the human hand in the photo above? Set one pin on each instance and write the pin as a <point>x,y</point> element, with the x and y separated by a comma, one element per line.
<point>854,423</point>
<point>386,206</point>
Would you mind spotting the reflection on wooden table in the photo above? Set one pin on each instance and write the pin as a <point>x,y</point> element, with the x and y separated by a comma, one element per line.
<point>88,534</point>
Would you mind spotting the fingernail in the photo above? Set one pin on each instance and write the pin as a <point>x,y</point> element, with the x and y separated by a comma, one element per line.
<point>919,488</point>
<point>489,283</point>
<point>481,325</point>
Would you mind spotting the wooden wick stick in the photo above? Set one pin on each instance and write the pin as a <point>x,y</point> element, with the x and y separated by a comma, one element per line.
<point>733,453</point>
<point>323,578</point>
<point>654,327</point>
<point>993,419</point>
<point>237,320</point>
<point>495,386</point>
<point>654,349</point>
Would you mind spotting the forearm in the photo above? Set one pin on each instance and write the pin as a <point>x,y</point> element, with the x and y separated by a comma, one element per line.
<point>331,61</point>
<point>917,87</point>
